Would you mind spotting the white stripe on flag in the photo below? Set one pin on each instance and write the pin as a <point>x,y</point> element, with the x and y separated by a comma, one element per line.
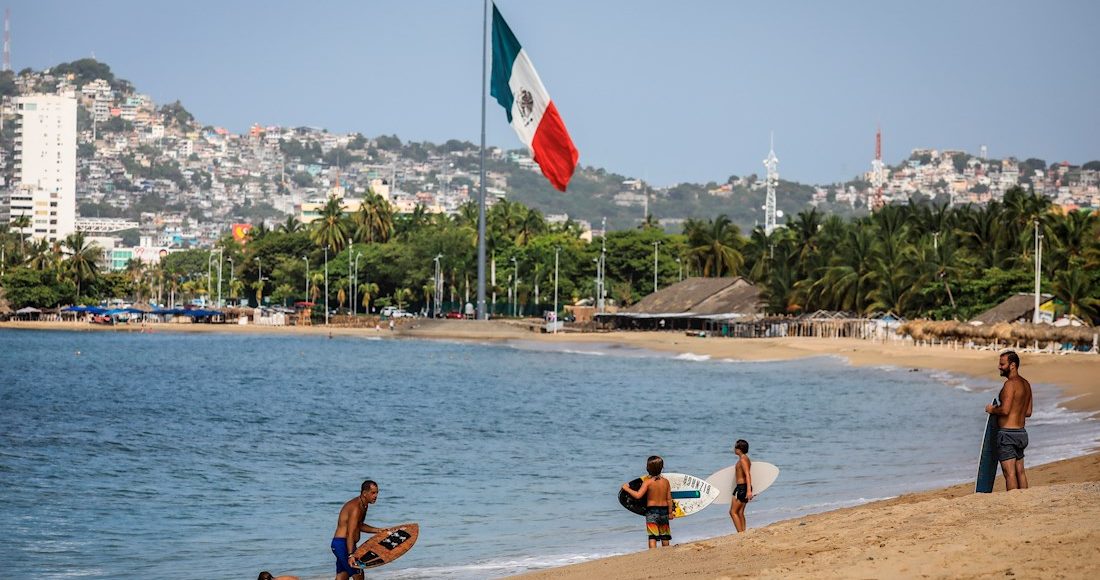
<point>530,98</point>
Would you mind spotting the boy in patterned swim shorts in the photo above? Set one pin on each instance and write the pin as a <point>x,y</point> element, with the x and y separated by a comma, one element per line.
<point>658,495</point>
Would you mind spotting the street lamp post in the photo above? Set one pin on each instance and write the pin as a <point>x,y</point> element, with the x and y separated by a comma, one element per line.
<point>306,258</point>
<point>557,251</point>
<point>221,262</point>
<point>437,283</point>
<point>259,282</point>
<point>230,260</point>
<point>656,245</point>
<point>515,287</point>
<point>680,269</point>
<point>326,285</point>
<point>355,284</point>
<point>602,269</point>
<point>1038,271</point>
<point>209,277</point>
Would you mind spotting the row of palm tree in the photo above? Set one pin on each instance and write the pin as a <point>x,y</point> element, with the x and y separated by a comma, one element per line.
<point>914,259</point>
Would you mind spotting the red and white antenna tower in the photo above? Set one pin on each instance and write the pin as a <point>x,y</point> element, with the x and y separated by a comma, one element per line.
<point>878,174</point>
<point>7,39</point>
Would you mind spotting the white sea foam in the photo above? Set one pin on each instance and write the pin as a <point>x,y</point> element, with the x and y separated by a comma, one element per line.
<point>584,352</point>
<point>692,357</point>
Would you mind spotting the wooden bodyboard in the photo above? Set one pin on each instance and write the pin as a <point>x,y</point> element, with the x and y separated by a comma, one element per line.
<point>987,459</point>
<point>386,546</point>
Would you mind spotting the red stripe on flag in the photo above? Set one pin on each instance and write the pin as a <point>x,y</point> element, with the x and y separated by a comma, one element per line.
<point>553,149</point>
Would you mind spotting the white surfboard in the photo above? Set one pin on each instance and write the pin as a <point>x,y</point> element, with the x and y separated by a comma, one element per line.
<point>763,476</point>
<point>689,493</point>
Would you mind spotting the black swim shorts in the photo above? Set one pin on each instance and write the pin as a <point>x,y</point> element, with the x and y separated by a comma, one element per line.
<point>1011,444</point>
<point>741,491</point>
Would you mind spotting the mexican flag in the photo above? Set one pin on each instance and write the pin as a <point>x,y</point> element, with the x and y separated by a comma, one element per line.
<point>516,86</point>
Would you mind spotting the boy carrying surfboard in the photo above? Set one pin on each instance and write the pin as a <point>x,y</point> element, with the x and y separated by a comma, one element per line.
<point>658,501</point>
<point>742,492</point>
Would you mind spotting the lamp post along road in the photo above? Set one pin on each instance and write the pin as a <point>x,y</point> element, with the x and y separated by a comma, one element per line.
<point>656,245</point>
<point>355,284</point>
<point>326,285</point>
<point>230,260</point>
<point>515,288</point>
<point>306,258</point>
<point>259,283</point>
<point>556,252</point>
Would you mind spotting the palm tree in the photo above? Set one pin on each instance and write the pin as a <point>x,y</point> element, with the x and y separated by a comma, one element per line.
<point>1075,288</point>
<point>468,214</point>
<point>331,228</point>
<point>847,283</point>
<point>83,258</point>
<point>258,286</point>
<point>401,296</point>
<point>1073,236</point>
<point>317,279</point>
<point>530,226</point>
<point>21,222</point>
<point>714,246</point>
<point>236,286</point>
<point>374,219</point>
<point>368,289</point>
<point>291,225</point>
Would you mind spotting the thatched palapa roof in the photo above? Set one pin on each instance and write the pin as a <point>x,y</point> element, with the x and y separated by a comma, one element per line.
<point>1011,310</point>
<point>700,297</point>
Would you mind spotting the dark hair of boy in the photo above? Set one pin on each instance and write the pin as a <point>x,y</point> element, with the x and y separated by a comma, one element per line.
<point>655,465</point>
<point>1012,357</point>
<point>742,445</point>
<point>368,485</point>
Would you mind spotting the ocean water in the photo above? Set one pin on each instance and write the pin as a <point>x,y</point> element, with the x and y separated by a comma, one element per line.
<point>217,456</point>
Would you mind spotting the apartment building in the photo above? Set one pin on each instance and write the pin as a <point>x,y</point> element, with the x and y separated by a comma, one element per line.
<point>45,165</point>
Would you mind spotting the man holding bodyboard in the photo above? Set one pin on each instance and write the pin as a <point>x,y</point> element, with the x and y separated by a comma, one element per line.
<point>1011,415</point>
<point>348,527</point>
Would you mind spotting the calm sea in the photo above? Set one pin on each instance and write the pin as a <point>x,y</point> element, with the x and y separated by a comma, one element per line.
<point>217,456</point>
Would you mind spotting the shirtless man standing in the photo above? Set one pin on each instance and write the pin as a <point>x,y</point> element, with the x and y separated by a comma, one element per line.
<point>1013,411</point>
<point>348,526</point>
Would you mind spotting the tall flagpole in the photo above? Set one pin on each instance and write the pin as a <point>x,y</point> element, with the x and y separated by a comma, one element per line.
<point>481,313</point>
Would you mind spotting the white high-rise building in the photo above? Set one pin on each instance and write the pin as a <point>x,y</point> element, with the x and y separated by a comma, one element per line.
<point>45,165</point>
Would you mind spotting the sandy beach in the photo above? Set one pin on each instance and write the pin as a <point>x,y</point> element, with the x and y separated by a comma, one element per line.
<point>1050,530</point>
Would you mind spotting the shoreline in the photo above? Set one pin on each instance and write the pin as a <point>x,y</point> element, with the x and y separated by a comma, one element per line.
<point>947,532</point>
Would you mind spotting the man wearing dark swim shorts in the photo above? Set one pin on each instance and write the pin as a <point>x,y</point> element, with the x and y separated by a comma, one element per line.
<point>1012,413</point>
<point>348,526</point>
<point>1011,444</point>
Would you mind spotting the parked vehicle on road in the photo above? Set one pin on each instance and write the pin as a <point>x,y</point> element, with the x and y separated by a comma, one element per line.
<point>394,312</point>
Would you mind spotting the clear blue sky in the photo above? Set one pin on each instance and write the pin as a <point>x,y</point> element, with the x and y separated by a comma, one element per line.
<point>667,91</point>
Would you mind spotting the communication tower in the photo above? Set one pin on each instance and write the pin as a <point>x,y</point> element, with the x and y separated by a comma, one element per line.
<point>7,39</point>
<point>772,165</point>
<point>878,173</point>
